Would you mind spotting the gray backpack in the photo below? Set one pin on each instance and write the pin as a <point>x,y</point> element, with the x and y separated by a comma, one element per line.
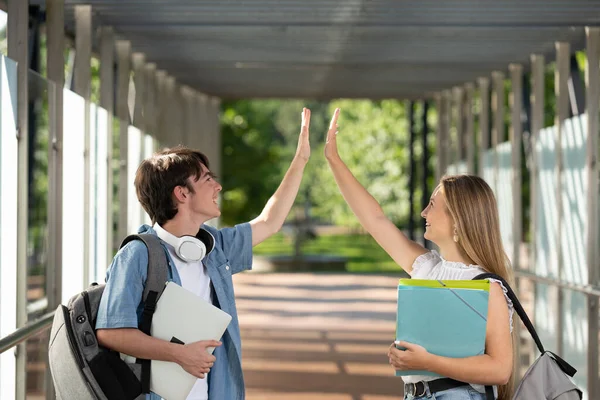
<point>83,370</point>
<point>549,376</point>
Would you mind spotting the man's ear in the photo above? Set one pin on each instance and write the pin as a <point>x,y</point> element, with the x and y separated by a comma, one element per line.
<point>180,194</point>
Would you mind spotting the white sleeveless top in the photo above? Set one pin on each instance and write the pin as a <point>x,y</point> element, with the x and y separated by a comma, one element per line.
<point>431,265</point>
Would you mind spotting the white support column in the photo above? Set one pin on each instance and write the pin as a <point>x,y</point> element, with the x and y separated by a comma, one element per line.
<point>83,80</point>
<point>56,73</point>
<point>438,135</point>
<point>498,110</point>
<point>201,131</point>
<point>150,100</point>
<point>215,111</point>
<point>159,111</point>
<point>470,128</point>
<point>83,50</point>
<point>592,83</point>
<point>18,39</point>
<point>169,125</point>
<point>561,89</point>
<point>138,61</point>
<point>444,149</point>
<point>107,85</point>
<point>538,64</point>
<point>178,115</point>
<point>124,67</point>
<point>459,144</point>
<point>189,100</point>
<point>484,121</point>
<point>516,138</point>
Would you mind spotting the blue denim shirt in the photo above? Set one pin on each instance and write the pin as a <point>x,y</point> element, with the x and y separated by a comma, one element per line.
<point>120,306</point>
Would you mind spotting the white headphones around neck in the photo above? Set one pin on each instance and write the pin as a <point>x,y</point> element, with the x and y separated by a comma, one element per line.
<point>188,248</point>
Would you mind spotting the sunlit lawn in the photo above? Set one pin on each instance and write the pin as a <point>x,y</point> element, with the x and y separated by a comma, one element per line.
<point>363,254</point>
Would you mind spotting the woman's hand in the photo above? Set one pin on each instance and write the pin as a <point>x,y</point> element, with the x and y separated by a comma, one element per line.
<point>303,150</point>
<point>331,151</point>
<point>415,357</point>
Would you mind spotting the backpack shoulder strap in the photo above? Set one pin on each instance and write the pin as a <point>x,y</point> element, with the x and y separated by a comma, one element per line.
<point>157,263</point>
<point>518,308</point>
<point>564,366</point>
<point>155,283</point>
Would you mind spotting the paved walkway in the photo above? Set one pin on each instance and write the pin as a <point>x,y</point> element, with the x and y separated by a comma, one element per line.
<point>316,336</point>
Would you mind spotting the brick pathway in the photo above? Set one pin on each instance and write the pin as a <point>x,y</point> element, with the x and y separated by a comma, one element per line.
<point>317,336</point>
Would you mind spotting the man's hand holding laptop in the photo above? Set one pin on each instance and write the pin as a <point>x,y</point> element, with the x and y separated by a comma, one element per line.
<point>195,359</point>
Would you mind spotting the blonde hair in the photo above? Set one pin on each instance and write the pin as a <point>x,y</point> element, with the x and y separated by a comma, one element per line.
<point>472,205</point>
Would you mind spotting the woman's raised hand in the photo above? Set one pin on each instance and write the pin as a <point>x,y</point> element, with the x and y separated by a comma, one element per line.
<point>331,151</point>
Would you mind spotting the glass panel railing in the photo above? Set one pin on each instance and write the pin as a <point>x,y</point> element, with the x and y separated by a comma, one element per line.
<point>137,143</point>
<point>504,196</point>
<point>546,263</point>
<point>3,29</point>
<point>575,335</point>
<point>99,253</point>
<point>8,219</point>
<point>73,194</point>
<point>574,201</point>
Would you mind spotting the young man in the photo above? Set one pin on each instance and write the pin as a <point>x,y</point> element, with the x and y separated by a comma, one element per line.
<point>179,193</point>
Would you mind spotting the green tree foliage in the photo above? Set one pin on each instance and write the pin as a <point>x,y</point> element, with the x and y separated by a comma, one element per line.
<point>372,141</point>
<point>260,137</point>
<point>259,140</point>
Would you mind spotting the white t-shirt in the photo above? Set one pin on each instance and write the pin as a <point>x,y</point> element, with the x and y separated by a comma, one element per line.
<point>432,266</point>
<point>195,279</point>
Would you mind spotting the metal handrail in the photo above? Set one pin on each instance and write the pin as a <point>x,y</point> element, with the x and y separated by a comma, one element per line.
<point>25,332</point>
<point>585,289</point>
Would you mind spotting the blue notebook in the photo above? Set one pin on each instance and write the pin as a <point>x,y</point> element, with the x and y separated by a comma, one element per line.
<point>448,318</point>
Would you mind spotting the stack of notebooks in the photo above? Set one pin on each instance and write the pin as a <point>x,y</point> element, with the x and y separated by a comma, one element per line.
<point>448,318</point>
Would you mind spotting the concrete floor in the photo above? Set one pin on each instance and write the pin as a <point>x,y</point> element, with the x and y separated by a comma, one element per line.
<point>317,336</point>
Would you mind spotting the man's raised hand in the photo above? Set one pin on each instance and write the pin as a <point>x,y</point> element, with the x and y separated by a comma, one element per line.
<point>303,150</point>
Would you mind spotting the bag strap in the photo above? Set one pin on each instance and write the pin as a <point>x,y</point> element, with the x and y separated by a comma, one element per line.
<point>564,366</point>
<point>518,308</point>
<point>157,260</point>
<point>155,283</point>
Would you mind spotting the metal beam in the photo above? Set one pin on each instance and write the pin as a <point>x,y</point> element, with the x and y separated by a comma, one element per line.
<point>592,82</point>
<point>17,36</point>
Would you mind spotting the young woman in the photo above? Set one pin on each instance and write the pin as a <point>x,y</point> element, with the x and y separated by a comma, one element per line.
<point>462,220</point>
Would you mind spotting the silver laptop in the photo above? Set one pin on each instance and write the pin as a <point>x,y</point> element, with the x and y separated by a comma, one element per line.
<point>182,316</point>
